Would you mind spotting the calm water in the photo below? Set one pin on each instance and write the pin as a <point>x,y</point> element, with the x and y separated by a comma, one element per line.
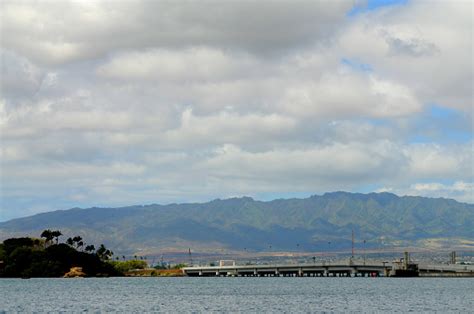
<point>238,294</point>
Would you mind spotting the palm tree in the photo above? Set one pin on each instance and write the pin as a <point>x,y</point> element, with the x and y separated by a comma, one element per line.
<point>47,235</point>
<point>78,241</point>
<point>103,253</point>
<point>70,241</point>
<point>90,248</point>
<point>56,234</point>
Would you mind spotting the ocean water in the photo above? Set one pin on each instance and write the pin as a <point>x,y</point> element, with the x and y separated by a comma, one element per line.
<point>247,294</point>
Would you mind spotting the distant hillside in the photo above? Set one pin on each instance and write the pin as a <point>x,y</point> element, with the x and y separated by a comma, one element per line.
<point>317,222</point>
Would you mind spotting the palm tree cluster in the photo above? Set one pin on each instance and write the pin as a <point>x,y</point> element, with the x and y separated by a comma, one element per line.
<point>49,235</point>
<point>103,253</point>
<point>75,242</point>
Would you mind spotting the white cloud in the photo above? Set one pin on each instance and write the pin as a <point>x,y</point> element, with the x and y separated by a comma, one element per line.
<point>192,64</point>
<point>434,161</point>
<point>315,167</point>
<point>143,174</point>
<point>347,94</point>
<point>228,127</point>
<point>426,44</point>
<point>460,190</point>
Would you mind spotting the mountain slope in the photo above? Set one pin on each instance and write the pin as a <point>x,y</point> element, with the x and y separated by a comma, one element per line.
<point>244,223</point>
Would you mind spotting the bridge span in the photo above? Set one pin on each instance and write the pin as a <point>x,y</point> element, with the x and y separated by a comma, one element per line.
<point>291,270</point>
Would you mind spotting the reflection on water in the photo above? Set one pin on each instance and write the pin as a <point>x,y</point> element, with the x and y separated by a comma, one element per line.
<point>238,294</point>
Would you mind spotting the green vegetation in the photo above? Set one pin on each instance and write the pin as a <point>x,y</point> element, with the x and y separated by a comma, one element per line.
<point>322,222</point>
<point>125,266</point>
<point>31,257</point>
<point>163,267</point>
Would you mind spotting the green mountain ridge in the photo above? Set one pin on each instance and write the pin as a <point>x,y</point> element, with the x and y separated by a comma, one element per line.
<point>246,224</point>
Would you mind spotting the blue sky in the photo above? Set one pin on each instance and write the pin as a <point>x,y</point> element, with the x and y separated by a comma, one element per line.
<point>442,125</point>
<point>371,5</point>
<point>98,108</point>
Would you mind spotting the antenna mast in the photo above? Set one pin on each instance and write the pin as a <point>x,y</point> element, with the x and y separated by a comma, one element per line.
<point>352,243</point>
<point>190,257</point>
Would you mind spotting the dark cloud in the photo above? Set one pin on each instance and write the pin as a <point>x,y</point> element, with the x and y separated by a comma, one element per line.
<point>59,32</point>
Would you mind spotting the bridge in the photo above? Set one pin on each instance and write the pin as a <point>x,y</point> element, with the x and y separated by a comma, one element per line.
<point>450,270</point>
<point>387,269</point>
<point>292,270</point>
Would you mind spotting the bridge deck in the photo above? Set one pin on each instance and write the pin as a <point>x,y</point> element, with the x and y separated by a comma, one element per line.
<point>325,269</point>
<point>292,269</point>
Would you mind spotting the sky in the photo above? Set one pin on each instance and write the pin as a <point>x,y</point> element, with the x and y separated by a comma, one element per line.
<point>114,103</point>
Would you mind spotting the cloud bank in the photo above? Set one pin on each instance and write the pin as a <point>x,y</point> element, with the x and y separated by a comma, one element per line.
<point>106,103</point>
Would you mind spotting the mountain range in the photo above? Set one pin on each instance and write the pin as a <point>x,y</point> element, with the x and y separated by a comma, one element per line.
<point>318,222</point>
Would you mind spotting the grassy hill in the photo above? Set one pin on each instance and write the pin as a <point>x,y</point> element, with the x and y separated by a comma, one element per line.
<point>243,223</point>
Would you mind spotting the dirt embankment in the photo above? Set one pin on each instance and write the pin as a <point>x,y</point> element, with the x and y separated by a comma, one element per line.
<point>155,273</point>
